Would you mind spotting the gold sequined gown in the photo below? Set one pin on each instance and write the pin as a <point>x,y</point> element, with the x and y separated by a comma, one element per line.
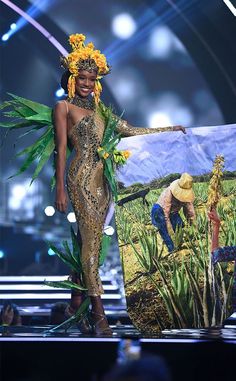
<point>88,190</point>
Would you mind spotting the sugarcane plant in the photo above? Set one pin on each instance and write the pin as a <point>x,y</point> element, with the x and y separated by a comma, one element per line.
<point>194,294</point>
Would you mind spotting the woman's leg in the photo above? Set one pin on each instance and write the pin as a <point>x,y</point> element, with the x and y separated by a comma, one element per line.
<point>176,220</point>
<point>98,317</point>
<point>90,252</point>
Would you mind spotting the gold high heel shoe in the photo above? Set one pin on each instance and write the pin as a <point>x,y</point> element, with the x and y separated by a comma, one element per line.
<point>98,328</point>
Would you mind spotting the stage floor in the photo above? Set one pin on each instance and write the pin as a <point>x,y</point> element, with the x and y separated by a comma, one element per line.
<point>33,353</point>
<point>119,332</point>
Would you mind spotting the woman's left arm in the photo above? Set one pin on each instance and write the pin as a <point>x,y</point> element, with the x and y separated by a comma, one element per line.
<point>126,129</point>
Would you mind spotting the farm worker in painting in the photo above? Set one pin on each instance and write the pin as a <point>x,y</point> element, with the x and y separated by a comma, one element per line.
<point>165,213</point>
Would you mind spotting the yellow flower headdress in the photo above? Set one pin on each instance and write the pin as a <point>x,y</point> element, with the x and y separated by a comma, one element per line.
<point>84,57</point>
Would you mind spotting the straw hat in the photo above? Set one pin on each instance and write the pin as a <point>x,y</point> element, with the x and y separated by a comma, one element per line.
<point>182,188</point>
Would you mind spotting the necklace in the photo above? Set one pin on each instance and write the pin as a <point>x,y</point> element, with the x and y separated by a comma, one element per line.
<point>86,103</point>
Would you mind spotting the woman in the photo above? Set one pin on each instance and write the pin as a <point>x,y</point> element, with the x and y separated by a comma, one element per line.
<point>78,123</point>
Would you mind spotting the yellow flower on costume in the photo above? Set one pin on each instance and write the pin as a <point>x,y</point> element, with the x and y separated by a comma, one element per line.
<point>76,39</point>
<point>120,157</point>
<point>84,57</point>
<point>126,154</point>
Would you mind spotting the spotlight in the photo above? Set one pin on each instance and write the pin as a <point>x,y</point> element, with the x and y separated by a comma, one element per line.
<point>5,37</point>
<point>71,217</point>
<point>231,7</point>
<point>13,26</point>
<point>159,119</point>
<point>18,191</point>
<point>51,252</point>
<point>108,230</point>
<point>2,254</point>
<point>49,211</point>
<point>59,93</point>
<point>123,26</point>
<point>161,42</point>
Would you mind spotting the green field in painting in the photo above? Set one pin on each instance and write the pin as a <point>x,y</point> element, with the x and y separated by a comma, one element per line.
<point>181,289</point>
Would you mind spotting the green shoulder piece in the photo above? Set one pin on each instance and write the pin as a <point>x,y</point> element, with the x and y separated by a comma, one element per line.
<point>108,152</point>
<point>26,113</point>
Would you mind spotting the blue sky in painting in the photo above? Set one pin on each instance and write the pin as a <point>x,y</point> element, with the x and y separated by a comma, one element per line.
<point>157,155</point>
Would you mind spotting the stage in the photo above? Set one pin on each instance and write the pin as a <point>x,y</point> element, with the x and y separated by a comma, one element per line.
<point>33,353</point>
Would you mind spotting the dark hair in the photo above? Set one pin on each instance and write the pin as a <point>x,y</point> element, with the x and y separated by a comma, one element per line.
<point>64,80</point>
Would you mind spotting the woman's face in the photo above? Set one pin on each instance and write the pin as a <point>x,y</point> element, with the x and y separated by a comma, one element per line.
<point>84,82</point>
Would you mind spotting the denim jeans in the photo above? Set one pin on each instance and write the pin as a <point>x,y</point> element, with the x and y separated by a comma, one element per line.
<point>158,220</point>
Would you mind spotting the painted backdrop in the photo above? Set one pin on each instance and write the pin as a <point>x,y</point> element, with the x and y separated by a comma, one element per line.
<point>175,287</point>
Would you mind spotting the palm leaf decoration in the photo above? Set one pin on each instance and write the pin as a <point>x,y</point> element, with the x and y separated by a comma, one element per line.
<point>71,257</point>
<point>108,145</point>
<point>106,240</point>
<point>76,318</point>
<point>27,113</point>
<point>65,284</point>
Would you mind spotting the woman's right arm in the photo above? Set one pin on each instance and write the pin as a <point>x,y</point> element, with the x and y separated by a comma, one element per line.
<point>60,127</point>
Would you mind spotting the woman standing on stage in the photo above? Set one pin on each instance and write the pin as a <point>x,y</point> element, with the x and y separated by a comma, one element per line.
<point>77,122</point>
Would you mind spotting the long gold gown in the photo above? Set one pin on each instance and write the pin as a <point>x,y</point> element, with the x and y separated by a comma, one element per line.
<point>88,190</point>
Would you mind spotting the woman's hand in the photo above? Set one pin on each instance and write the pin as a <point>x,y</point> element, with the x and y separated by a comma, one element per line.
<point>213,216</point>
<point>61,199</point>
<point>179,128</point>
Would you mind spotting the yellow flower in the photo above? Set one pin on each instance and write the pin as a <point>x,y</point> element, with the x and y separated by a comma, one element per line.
<point>76,38</point>
<point>106,155</point>
<point>90,45</point>
<point>126,154</point>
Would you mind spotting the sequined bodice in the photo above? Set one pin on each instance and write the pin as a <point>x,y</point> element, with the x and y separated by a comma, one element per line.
<point>86,182</point>
<point>85,137</point>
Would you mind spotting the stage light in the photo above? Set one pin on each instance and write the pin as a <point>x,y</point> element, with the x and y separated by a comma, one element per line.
<point>2,254</point>
<point>109,230</point>
<point>159,119</point>
<point>51,252</point>
<point>71,217</point>
<point>5,37</point>
<point>59,93</point>
<point>183,115</point>
<point>49,211</point>
<point>123,26</point>
<point>231,7</point>
<point>13,26</point>
<point>29,17</point>
<point>124,89</point>
<point>18,191</point>
<point>161,42</point>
